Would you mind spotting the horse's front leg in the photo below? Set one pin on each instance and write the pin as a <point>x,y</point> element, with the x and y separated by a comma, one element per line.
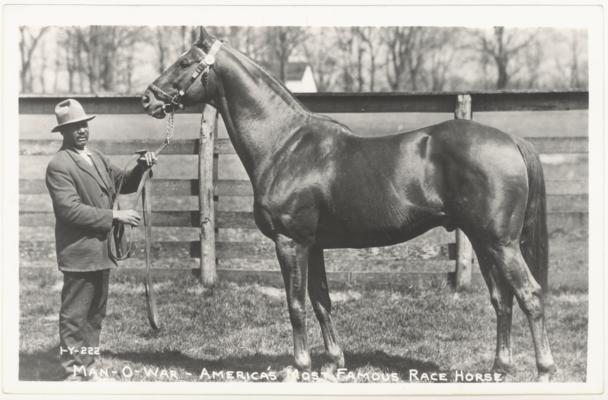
<point>293,258</point>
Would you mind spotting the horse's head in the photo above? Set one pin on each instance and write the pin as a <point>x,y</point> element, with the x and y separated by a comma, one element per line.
<point>190,80</point>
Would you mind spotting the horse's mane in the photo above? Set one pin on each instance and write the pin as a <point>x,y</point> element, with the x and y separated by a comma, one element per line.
<point>279,88</point>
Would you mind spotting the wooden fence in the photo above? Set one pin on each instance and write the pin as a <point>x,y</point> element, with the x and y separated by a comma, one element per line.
<point>213,216</point>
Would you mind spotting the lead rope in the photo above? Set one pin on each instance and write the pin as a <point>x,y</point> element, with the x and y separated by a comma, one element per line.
<point>143,191</point>
<point>151,308</point>
<point>117,254</point>
<point>170,128</point>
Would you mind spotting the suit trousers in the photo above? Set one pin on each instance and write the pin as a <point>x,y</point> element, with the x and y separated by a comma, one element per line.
<point>83,307</point>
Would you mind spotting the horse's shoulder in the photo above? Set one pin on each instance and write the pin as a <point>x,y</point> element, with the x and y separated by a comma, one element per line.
<point>317,137</point>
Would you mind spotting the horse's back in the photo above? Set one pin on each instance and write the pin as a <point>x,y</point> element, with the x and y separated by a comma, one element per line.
<point>454,173</point>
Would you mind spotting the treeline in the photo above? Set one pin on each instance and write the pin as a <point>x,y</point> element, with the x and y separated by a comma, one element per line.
<point>124,59</point>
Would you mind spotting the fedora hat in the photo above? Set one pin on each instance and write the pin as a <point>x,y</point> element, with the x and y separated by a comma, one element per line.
<point>69,111</point>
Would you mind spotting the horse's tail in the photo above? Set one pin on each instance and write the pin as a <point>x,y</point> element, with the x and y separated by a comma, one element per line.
<point>534,238</point>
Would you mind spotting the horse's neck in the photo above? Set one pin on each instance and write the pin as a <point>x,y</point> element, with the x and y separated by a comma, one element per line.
<point>259,113</point>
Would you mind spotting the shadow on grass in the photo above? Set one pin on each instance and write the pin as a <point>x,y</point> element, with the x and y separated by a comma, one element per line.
<point>44,365</point>
<point>386,362</point>
<point>40,366</point>
<point>260,362</point>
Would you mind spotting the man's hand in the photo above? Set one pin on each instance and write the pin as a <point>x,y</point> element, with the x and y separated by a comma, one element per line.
<point>130,217</point>
<point>148,159</point>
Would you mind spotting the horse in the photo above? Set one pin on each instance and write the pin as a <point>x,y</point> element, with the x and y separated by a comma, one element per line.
<point>318,186</point>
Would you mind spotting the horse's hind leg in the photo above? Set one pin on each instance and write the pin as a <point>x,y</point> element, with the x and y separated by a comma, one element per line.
<point>510,262</point>
<point>321,303</point>
<point>501,296</point>
<point>293,258</point>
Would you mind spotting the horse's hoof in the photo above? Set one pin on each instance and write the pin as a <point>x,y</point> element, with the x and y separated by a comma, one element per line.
<point>328,374</point>
<point>289,374</point>
<point>339,360</point>
<point>303,365</point>
<point>302,361</point>
<point>503,368</point>
<point>547,374</point>
<point>329,368</point>
<point>328,379</point>
<point>544,377</point>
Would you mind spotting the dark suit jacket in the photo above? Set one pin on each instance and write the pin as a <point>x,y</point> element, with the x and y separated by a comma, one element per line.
<point>82,200</point>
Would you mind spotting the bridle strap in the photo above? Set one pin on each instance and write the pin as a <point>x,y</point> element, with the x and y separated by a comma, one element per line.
<point>167,98</point>
<point>203,67</point>
<point>207,61</point>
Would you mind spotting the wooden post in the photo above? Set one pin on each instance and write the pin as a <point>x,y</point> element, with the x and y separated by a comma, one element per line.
<point>464,250</point>
<point>205,196</point>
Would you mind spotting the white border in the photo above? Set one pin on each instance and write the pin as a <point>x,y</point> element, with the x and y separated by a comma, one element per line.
<point>590,16</point>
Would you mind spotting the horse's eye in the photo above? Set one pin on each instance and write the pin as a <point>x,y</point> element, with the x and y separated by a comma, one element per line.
<point>184,63</point>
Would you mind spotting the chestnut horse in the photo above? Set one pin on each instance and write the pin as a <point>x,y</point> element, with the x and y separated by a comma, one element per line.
<point>318,186</point>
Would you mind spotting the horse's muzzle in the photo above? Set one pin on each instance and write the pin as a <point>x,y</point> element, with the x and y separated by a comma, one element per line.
<point>152,105</point>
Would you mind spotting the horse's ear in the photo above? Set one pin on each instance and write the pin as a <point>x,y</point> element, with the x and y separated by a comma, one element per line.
<point>203,35</point>
<point>205,39</point>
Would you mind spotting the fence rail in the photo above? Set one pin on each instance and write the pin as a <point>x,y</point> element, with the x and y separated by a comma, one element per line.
<point>29,147</point>
<point>353,102</point>
<point>179,216</point>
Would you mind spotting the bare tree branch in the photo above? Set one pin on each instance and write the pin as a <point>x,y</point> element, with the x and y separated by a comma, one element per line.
<point>27,44</point>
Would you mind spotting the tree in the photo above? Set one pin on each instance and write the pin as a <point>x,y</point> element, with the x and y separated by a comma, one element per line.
<point>281,43</point>
<point>578,65</point>
<point>350,59</point>
<point>116,59</point>
<point>101,53</point>
<point>440,64</point>
<point>397,40</point>
<point>43,66</point>
<point>73,61</point>
<point>445,50</point>
<point>161,34</point>
<point>28,41</point>
<point>501,48</point>
<point>532,58</point>
<point>408,48</point>
<point>185,33</point>
<point>250,40</point>
<point>358,49</point>
<point>322,62</point>
<point>370,39</point>
<point>572,62</point>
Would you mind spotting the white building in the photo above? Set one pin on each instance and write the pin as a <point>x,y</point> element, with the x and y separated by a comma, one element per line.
<point>300,78</point>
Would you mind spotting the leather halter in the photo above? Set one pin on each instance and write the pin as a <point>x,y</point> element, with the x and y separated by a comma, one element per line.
<point>174,102</point>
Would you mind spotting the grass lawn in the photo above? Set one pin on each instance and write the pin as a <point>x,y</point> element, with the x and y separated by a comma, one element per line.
<point>246,328</point>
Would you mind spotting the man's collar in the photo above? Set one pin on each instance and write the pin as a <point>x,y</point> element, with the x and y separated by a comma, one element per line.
<point>83,151</point>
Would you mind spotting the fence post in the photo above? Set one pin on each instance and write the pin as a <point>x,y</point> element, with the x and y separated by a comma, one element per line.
<point>464,250</point>
<point>205,196</point>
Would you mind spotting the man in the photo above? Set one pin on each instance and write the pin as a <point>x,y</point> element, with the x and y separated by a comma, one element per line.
<point>82,183</point>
